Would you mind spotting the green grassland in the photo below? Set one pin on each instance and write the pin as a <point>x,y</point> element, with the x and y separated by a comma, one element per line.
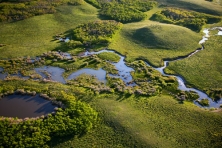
<point>155,41</point>
<point>34,36</point>
<point>149,122</point>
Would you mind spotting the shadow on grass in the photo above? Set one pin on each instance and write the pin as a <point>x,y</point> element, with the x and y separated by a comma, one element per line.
<point>189,6</point>
<point>146,37</point>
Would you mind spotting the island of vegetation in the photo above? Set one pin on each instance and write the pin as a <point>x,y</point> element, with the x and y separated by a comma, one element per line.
<point>44,42</point>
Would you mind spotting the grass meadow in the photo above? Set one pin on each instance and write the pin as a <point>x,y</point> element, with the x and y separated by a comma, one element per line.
<point>148,122</point>
<point>34,36</point>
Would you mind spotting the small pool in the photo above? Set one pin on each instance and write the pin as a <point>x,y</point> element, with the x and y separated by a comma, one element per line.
<point>23,106</point>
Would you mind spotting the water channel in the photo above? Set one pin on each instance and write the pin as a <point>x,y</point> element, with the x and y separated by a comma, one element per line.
<point>55,73</point>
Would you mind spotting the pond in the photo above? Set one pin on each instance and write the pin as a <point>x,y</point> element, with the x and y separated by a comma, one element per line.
<point>2,75</point>
<point>23,106</point>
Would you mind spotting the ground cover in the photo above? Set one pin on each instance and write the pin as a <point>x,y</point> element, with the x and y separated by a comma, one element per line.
<point>34,36</point>
<point>154,41</point>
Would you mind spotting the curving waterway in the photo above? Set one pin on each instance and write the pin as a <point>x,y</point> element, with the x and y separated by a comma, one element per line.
<point>55,73</point>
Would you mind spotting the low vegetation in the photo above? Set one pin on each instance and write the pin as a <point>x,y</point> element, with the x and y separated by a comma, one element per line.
<point>190,19</point>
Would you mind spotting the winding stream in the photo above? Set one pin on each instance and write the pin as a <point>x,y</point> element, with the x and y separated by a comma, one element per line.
<point>55,73</point>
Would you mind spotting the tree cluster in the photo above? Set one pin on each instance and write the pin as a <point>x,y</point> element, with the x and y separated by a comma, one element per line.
<point>99,32</point>
<point>124,10</point>
<point>76,119</point>
<point>190,19</point>
<point>13,10</point>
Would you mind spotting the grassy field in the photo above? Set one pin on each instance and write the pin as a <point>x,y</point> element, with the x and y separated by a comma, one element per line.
<point>155,41</point>
<point>34,36</point>
<point>202,70</point>
<point>196,5</point>
<point>149,122</point>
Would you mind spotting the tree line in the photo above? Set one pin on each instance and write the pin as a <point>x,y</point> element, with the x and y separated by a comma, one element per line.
<point>190,19</point>
<point>13,10</point>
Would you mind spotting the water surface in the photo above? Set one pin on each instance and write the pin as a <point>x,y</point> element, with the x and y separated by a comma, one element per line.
<point>23,106</point>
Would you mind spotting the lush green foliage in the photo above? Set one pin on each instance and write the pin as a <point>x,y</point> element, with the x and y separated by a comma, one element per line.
<point>189,19</point>
<point>127,10</point>
<point>124,10</point>
<point>109,56</point>
<point>76,119</point>
<point>121,13</point>
<point>96,33</point>
<point>19,10</point>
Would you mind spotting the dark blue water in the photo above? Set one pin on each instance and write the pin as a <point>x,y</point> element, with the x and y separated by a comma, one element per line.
<point>23,106</point>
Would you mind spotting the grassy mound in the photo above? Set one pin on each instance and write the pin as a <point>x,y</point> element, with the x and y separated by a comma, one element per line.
<point>153,41</point>
<point>34,36</point>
